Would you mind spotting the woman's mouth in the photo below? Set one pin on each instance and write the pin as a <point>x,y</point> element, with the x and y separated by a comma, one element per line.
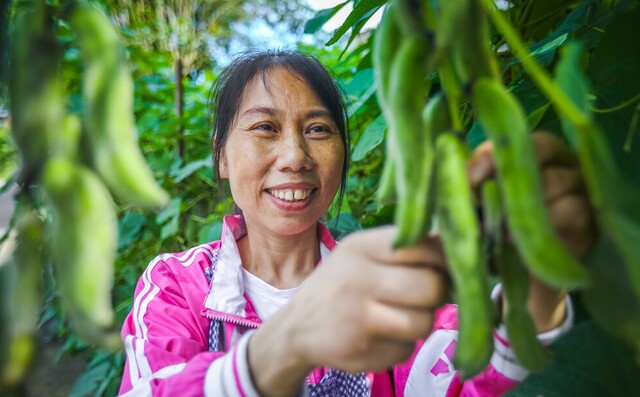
<point>290,195</point>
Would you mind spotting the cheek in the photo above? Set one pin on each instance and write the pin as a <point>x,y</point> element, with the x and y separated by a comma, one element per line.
<point>335,164</point>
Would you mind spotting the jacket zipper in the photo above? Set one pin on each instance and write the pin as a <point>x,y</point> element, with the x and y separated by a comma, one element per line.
<point>232,319</point>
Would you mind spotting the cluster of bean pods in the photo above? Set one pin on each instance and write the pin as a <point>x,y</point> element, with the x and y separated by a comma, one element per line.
<point>70,166</point>
<point>425,171</point>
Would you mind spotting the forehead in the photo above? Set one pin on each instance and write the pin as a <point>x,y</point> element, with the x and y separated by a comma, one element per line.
<point>275,84</point>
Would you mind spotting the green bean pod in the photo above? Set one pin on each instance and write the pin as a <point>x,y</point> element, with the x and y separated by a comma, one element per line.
<point>408,87</point>
<point>472,53</point>
<point>515,285</point>
<point>534,236</point>
<point>412,16</point>
<point>36,88</point>
<point>84,237</point>
<point>386,42</point>
<point>24,295</point>
<point>520,327</point>
<point>386,192</point>
<point>435,121</point>
<point>461,237</point>
<point>109,119</point>
<point>452,14</point>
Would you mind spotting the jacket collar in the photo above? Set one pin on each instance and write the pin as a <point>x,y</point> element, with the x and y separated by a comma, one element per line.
<point>226,296</point>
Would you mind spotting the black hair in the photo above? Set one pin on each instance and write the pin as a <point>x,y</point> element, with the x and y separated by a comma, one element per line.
<point>230,85</point>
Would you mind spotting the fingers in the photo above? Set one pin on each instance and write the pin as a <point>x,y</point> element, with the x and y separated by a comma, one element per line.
<point>480,165</point>
<point>377,354</point>
<point>402,324</point>
<point>572,219</point>
<point>558,182</point>
<point>550,151</point>
<point>411,287</point>
<point>376,245</point>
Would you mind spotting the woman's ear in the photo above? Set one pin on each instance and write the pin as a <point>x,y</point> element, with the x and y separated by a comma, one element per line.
<point>222,165</point>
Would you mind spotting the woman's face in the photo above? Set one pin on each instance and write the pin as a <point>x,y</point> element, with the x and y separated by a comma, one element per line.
<point>283,155</point>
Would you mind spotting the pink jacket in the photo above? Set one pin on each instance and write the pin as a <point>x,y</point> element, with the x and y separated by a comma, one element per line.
<point>188,336</point>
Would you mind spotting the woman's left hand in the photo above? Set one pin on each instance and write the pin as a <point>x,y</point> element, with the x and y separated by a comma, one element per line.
<point>569,208</point>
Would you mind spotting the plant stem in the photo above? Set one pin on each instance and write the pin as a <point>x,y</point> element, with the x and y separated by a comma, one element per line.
<point>551,90</point>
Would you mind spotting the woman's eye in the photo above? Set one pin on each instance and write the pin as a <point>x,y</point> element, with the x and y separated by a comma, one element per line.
<point>264,127</point>
<point>319,129</point>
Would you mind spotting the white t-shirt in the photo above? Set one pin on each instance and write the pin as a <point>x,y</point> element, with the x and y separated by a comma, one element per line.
<point>266,298</point>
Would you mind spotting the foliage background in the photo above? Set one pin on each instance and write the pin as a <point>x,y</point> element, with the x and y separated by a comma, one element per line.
<point>607,28</point>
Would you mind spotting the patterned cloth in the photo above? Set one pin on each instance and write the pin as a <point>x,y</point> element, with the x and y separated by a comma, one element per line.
<point>337,383</point>
<point>215,337</point>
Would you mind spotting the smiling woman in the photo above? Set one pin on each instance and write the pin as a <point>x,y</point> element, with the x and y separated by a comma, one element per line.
<point>254,313</point>
<point>284,154</point>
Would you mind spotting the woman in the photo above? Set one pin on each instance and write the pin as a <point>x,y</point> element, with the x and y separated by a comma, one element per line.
<point>255,313</point>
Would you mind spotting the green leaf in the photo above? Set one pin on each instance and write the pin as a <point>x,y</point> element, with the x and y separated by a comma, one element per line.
<point>210,232</point>
<point>587,363</point>
<point>612,287</point>
<point>189,168</point>
<point>346,224</point>
<point>317,22</point>
<point>89,380</point>
<point>613,72</point>
<point>578,23</point>
<point>129,227</point>
<point>573,82</point>
<point>170,211</point>
<point>169,229</point>
<point>360,83</point>
<point>358,16</point>
<point>361,87</point>
<point>371,138</point>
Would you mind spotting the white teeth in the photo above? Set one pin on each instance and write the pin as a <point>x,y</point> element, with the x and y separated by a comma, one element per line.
<point>288,195</point>
<point>291,195</point>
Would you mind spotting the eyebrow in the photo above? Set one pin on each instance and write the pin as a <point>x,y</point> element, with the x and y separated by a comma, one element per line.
<point>260,110</point>
<point>316,113</point>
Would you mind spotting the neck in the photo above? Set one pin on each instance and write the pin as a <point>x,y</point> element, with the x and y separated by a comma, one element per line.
<point>281,261</point>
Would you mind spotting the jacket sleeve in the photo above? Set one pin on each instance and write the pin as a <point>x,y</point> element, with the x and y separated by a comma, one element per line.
<point>166,345</point>
<point>430,370</point>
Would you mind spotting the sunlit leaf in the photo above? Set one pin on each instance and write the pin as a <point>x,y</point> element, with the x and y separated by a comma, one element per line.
<point>317,22</point>
<point>371,138</point>
<point>190,168</point>
<point>360,14</point>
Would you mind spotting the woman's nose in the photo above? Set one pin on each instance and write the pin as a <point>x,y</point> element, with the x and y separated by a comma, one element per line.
<point>294,154</point>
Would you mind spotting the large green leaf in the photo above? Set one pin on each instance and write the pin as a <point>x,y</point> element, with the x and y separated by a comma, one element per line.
<point>322,16</point>
<point>615,202</point>
<point>361,12</point>
<point>359,89</point>
<point>371,138</point>
<point>587,363</point>
<point>613,72</point>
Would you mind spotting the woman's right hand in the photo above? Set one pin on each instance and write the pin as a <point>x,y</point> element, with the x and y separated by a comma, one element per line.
<point>362,309</point>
